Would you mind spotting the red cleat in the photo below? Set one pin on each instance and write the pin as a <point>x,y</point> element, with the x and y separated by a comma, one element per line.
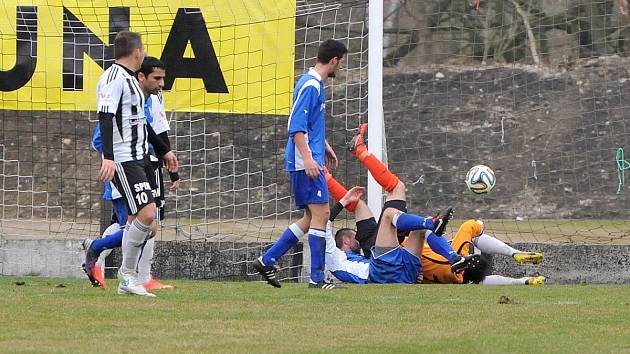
<point>98,276</point>
<point>154,284</point>
<point>360,139</point>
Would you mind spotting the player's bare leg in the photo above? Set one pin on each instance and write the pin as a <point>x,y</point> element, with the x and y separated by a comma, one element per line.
<point>415,242</point>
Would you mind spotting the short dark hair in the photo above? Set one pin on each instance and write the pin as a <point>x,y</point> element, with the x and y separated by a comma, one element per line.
<point>149,64</point>
<point>340,234</point>
<point>329,49</point>
<point>125,43</point>
<point>477,271</point>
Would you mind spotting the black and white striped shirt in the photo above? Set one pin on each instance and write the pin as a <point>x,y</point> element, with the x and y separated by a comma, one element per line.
<point>118,93</point>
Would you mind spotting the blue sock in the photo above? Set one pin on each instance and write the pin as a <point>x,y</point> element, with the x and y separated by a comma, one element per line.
<point>408,222</point>
<point>440,246</point>
<point>317,243</point>
<point>289,238</point>
<point>107,243</point>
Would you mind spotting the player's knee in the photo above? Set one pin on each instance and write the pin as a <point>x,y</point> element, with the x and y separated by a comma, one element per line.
<point>475,227</point>
<point>388,215</point>
<point>147,214</point>
<point>320,212</point>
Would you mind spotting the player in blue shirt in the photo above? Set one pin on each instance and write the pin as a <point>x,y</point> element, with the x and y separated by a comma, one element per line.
<point>306,153</point>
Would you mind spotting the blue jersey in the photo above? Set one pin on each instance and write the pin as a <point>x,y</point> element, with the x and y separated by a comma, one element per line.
<point>307,116</point>
<point>150,119</point>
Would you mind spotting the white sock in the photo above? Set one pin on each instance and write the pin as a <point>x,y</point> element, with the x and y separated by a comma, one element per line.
<point>489,244</point>
<point>146,259</point>
<point>501,280</point>
<point>133,239</point>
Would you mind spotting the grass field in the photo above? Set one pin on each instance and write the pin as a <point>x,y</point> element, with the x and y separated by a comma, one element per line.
<point>66,315</point>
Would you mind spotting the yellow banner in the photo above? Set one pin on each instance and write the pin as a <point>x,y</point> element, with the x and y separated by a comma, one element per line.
<point>232,56</point>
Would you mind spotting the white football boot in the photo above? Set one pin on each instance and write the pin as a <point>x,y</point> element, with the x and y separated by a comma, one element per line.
<point>130,284</point>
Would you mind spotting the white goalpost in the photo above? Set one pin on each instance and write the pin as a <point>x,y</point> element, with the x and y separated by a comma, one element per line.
<point>375,98</point>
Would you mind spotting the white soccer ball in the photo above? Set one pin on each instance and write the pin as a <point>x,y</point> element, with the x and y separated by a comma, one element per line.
<point>480,179</point>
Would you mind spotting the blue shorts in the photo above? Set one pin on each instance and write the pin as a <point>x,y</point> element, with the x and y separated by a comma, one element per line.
<point>308,190</point>
<point>395,266</point>
<point>119,208</point>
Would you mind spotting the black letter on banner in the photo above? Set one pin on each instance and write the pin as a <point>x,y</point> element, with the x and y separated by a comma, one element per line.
<point>25,51</point>
<point>189,25</point>
<point>78,39</point>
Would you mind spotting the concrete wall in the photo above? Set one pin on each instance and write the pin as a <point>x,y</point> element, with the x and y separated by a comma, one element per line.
<point>563,264</point>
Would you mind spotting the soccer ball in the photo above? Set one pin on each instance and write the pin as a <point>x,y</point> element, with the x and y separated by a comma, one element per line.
<point>480,179</point>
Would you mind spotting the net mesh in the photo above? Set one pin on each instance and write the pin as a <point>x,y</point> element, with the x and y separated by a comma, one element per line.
<point>536,90</point>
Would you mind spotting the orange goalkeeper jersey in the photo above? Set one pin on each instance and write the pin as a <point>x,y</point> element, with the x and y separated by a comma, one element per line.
<point>436,269</point>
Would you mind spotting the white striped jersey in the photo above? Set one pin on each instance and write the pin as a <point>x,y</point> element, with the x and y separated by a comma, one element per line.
<point>118,93</point>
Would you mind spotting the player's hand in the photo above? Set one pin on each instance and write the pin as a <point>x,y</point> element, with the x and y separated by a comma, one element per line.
<point>419,278</point>
<point>172,165</point>
<point>331,158</point>
<point>623,7</point>
<point>312,168</point>
<point>106,172</point>
<point>353,195</point>
<point>174,185</point>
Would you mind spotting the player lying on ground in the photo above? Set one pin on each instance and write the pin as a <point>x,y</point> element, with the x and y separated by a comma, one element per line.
<point>389,262</point>
<point>151,80</point>
<point>434,266</point>
<point>125,137</point>
<point>469,237</point>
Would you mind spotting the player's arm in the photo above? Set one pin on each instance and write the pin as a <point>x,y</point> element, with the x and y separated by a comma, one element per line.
<point>353,195</point>
<point>298,126</point>
<point>106,122</point>
<point>108,100</point>
<point>331,157</point>
<point>162,149</point>
<point>174,176</point>
<point>311,167</point>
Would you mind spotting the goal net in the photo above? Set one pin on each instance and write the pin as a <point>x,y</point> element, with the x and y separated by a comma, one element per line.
<point>535,90</point>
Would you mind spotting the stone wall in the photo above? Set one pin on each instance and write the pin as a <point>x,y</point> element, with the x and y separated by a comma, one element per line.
<point>563,264</point>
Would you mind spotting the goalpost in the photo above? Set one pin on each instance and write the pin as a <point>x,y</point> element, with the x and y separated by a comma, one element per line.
<point>535,90</point>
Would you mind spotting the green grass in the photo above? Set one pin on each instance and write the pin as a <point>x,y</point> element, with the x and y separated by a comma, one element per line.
<point>251,317</point>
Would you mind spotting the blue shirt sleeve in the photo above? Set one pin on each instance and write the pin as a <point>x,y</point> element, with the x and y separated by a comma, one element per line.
<point>97,144</point>
<point>147,110</point>
<point>298,122</point>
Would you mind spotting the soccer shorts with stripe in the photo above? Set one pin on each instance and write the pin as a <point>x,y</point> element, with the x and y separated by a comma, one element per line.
<point>136,182</point>
<point>308,190</point>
